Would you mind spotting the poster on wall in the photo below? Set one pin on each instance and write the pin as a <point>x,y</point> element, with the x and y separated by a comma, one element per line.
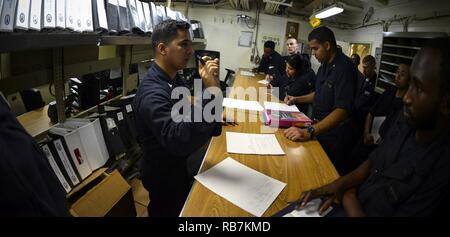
<point>291,30</point>
<point>274,38</point>
<point>245,39</point>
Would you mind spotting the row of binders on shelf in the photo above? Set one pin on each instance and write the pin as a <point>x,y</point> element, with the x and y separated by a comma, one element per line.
<point>100,16</point>
<point>77,147</point>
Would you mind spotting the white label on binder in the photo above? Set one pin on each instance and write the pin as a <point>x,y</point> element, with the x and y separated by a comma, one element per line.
<point>110,123</point>
<point>129,108</point>
<point>119,116</point>
<point>65,161</point>
<point>55,168</point>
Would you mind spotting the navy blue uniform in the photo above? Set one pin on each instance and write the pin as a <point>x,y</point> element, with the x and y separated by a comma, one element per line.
<point>386,105</point>
<point>166,144</point>
<point>407,178</point>
<point>298,86</point>
<point>364,100</point>
<point>275,60</point>
<point>29,186</point>
<point>335,88</point>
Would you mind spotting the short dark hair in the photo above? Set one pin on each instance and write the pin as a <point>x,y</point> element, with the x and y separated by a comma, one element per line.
<point>369,59</point>
<point>442,46</point>
<point>166,31</point>
<point>269,44</point>
<point>323,34</point>
<point>356,55</point>
<point>298,62</point>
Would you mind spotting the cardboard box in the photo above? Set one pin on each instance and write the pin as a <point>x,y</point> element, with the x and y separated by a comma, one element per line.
<point>111,196</point>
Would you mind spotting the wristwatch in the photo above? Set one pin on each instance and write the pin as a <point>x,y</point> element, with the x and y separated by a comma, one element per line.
<point>311,131</point>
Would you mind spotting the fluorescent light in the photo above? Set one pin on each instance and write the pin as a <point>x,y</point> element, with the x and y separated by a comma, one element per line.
<point>329,11</point>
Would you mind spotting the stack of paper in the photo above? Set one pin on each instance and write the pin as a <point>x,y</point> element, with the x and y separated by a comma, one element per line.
<point>248,143</point>
<point>244,187</point>
<point>242,104</point>
<point>248,74</point>
<point>280,107</point>
<point>376,125</point>
<point>264,82</point>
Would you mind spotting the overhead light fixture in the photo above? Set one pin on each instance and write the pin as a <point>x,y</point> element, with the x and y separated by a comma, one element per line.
<point>329,11</point>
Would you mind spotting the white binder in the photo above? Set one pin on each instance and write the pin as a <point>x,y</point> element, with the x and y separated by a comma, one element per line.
<point>35,15</point>
<point>61,14</point>
<point>8,15</point>
<point>92,139</point>
<point>140,11</point>
<point>71,11</point>
<point>133,16</point>
<point>148,16</point>
<point>161,12</point>
<point>75,148</point>
<point>22,15</point>
<point>171,14</point>
<point>55,168</point>
<point>86,11</point>
<point>48,14</point>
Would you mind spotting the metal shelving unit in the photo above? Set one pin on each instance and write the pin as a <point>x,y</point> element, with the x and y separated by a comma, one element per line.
<point>399,47</point>
<point>57,47</point>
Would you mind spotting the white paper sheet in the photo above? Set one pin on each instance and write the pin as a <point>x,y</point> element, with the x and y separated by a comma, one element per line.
<point>264,82</point>
<point>242,104</point>
<point>280,107</point>
<point>244,187</point>
<point>248,74</point>
<point>376,124</point>
<point>251,143</point>
<point>310,210</point>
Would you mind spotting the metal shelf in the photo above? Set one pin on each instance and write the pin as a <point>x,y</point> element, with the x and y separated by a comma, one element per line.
<point>389,63</point>
<point>421,35</point>
<point>402,46</point>
<point>398,55</point>
<point>387,72</point>
<point>386,81</point>
<point>10,42</point>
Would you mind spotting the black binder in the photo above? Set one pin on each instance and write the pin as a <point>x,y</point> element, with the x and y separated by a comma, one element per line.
<point>122,123</point>
<point>111,133</point>
<point>112,16</point>
<point>97,7</point>
<point>50,150</point>
<point>134,17</point>
<point>57,139</point>
<point>125,104</point>
<point>124,18</point>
